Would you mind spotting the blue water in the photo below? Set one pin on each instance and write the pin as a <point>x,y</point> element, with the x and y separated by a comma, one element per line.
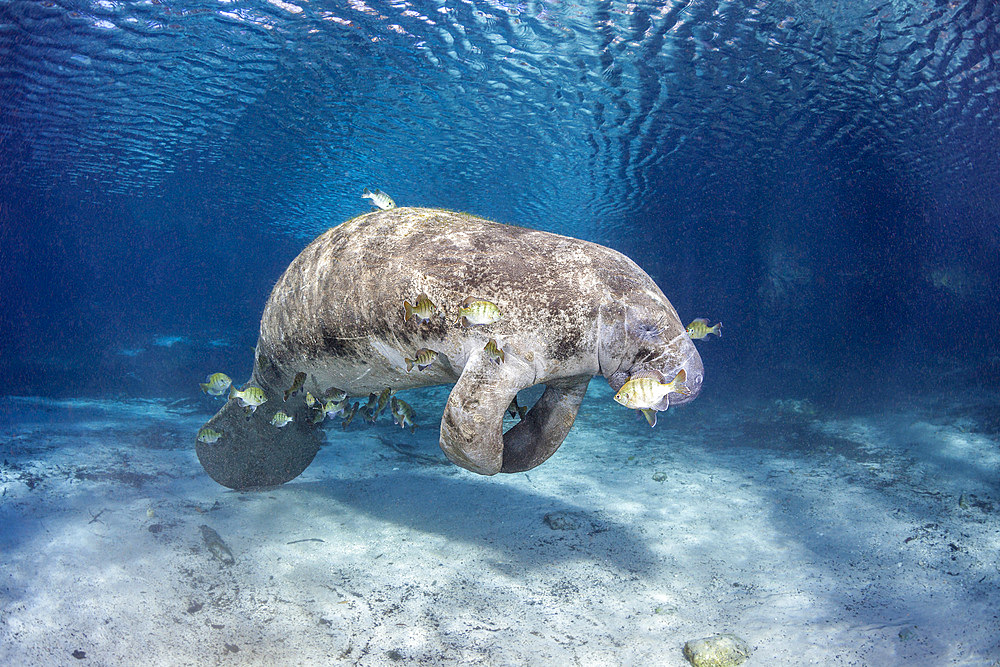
<point>801,171</point>
<point>821,176</point>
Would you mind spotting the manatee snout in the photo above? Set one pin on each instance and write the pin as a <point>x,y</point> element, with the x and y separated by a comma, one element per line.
<point>695,372</point>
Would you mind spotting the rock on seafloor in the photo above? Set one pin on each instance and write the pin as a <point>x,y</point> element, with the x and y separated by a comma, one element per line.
<point>717,651</point>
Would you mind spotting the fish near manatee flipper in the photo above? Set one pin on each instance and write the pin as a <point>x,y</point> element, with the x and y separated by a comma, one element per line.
<point>592,312</point>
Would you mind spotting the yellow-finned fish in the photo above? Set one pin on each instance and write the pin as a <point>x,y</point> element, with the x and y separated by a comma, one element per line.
<point>646,391</point>
<point>368,410</point>
<point>216,384</point>
<point>422,359</point>
<point>335,394</point>
<point>208,436</point>
<point>422,309</point>
<point>383,400</point>
<point>300,379</point>
<point>333,408</point>
<point>402,414</point>
<point>350,415</point>
<point>281,419</point>
<point>515,410</point>
<point>330,409</point>
<point>251,397</point>
<point>310,399</point>
<point>474,311</point>
<point>699,329</point>
<point>379,198</point>
<point>494,353</point>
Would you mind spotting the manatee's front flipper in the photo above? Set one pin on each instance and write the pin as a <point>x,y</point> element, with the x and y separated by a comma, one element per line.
<point>253,452</point>
<point>537,437</point>
<point>472,426</point>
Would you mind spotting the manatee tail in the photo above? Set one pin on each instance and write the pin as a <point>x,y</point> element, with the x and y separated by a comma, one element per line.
<point>252,452</point>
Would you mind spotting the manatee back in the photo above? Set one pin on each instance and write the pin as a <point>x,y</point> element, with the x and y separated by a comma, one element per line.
<point>339,305</point>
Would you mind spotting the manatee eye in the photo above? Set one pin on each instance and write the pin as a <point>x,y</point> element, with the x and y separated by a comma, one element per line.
<point>648,332</point>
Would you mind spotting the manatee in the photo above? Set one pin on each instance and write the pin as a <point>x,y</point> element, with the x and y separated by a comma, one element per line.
<point>570,309</point>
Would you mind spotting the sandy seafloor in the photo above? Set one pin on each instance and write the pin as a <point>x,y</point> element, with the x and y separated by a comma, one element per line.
<point>818,538</point>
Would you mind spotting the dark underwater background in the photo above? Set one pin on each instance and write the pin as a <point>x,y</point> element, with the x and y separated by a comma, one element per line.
<point>821,176</point>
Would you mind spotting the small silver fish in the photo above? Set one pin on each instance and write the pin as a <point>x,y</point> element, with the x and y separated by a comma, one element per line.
<point>422,359</point>
<point>251,397</point>
<point>281,419</point>
<point>216,384</point>
<point>350,415</point>
<point>421,310</point>
<point>645,391</point>
<point>300,379</point>
<point>335,394</point>
<point>699,329</point>
<point>208,436</point>
<point>402,414</point>
<point>379,198</point>
<point>383,400</point>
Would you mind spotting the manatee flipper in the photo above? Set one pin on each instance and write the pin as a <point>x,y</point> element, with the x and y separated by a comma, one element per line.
<point>472,426</point>
<point>536,437</point>
<point>254,453</point>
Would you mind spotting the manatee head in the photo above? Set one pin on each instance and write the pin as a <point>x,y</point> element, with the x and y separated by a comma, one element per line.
<point>642,332</point>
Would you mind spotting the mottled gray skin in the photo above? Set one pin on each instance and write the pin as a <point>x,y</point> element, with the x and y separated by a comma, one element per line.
<point>571,310</point>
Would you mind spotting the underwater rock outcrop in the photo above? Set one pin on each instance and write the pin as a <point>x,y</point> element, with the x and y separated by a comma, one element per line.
<point>717,651</point>
<point>503,307</point>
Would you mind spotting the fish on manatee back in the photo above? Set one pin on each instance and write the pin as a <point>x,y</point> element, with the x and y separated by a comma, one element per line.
<point>281,419</point>
<point>422,309</point>
<point>646,391</point>
<point>216,384</point>
<point>300,379</point>
<point>251,397</point>
<point>208,436</point>
<point>699,329</point>
<point>422,359</point>
<point>379,198</point>
<point>494,353</point>
<point>473,311</point>
<point>310,399</point>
